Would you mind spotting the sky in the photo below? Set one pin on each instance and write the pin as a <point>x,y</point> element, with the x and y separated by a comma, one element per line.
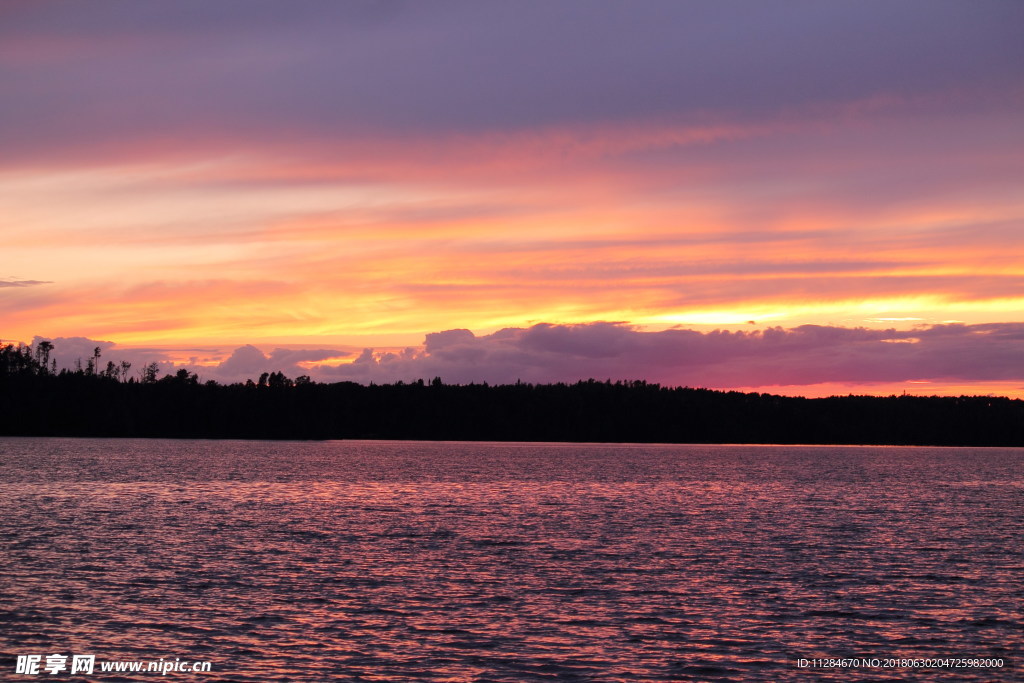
<point>797,197</point>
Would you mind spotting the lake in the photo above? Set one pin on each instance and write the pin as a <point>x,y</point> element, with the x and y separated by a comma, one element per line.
<point>433,561</point>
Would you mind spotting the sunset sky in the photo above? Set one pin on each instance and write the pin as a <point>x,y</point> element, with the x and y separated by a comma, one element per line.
<point>798,197</point>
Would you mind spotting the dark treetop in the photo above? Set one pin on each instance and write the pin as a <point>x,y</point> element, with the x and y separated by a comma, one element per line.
<point>36,400</point>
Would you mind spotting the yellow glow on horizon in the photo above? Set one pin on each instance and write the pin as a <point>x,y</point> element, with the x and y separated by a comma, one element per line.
<point>882,313</point>
<point>1009,389</point>
<point>226,311</point>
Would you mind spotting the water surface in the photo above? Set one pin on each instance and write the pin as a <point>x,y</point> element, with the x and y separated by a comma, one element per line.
<point>367,561</point>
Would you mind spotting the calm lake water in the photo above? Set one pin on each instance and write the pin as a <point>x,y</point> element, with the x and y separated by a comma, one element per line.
<point>393,561</point>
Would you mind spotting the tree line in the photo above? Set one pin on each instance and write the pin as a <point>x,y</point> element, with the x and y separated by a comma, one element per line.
<point>110,401</point>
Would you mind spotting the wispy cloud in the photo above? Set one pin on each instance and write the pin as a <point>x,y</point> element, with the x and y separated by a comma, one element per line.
<point>13,282</point>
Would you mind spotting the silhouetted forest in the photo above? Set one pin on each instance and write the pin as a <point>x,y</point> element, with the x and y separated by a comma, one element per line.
<point>110,401</point>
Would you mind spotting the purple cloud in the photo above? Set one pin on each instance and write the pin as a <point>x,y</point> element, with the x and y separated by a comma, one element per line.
<point>810,354</point>
<point>69,352</point>
<point>245,362</point>
<point>544,353</point>
<point>248,362</point>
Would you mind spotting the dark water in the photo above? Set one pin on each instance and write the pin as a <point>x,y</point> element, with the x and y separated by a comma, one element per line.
<point>390,561</point>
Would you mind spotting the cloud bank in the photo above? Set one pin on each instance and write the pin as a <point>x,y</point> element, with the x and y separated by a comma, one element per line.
<point>805,355</point>
<point>809,354</point>
<point>245,362</point>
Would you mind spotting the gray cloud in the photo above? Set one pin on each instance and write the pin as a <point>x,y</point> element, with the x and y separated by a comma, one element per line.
<point>11,282</point>
<point>105,73</point>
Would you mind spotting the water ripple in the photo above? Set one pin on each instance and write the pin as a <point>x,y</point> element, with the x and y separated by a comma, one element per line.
<point>506,562</point>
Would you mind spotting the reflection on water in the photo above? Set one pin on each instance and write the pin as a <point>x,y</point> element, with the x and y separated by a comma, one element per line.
<point>510,562</point>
